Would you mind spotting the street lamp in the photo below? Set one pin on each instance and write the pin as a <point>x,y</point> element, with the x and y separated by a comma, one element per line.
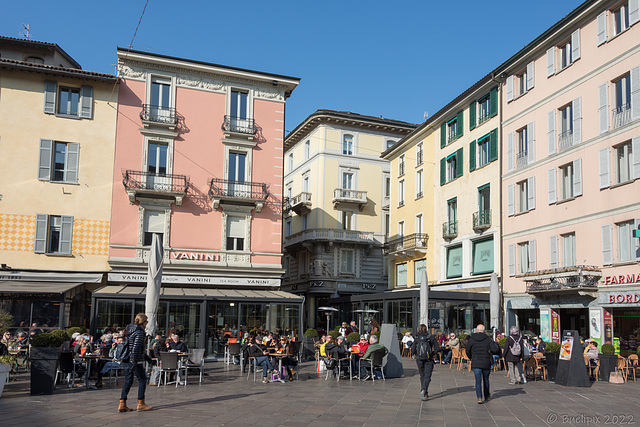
<point>327,311</point>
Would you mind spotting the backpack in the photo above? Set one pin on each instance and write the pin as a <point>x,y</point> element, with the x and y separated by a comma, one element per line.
<point>424,350</point>
<point>516,348</point>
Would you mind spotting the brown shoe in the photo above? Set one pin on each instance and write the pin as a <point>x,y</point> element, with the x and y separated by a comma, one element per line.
<point>122,406</point>
<point>143,407</point>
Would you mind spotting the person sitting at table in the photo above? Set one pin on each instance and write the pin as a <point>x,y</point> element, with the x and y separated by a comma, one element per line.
<point>22,342</point>
<point>4,350</point>
<point>343,329</point>
<point>373,346</point>
<point>178,345</point>
<point>355,357</point>
<point>453,342</point>
<point>540,347</point>
<point>268,341</point>
<point>8,340</point>
<point>261,357</point>
<point>286,347</point>
<point>407,340</point>
<point>119,352</point>
<point>592,352</point>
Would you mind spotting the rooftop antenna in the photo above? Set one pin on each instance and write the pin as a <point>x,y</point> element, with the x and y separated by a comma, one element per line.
<point>25,31</point>
<point>426,115</point>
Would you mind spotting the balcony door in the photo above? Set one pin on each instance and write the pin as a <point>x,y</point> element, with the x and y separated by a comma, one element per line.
<point>160,99</point>
<point>157,167</point>
<point>347,184</point>
<point>239,112</point>
<point>484,205</point>
<point>237,185</point>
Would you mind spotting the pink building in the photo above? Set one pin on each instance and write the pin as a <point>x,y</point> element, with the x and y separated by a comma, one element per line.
<point>199,161</point>
<point>571,177</point>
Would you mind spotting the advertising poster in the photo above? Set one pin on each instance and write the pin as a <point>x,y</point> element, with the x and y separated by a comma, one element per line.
<point>555,327</point>
<point>565,348</point>
<point>545,331</point>
<point>608,327</point>
<point>595,325</point>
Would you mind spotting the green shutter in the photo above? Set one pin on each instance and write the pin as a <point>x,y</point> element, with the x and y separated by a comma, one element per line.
<point>459,162</point>
<point>493,145</point>
<point>493,102</point>
<point>443,135</point>
<point>472,156</point>
<point>472,115</point>
<point>459,124</point>
<point>443,171</point>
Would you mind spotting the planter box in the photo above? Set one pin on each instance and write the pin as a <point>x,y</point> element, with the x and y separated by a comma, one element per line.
<point>608,364</point>
<point>552,365</point>
<point>44,362</point>
<point>5,368</point>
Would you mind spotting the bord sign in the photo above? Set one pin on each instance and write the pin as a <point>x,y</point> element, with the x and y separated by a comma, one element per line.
<point>621,298</point>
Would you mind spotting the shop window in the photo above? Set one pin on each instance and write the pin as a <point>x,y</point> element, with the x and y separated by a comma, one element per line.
<point>401,274</point>
<point>483,256</point>
<point>454,261</point>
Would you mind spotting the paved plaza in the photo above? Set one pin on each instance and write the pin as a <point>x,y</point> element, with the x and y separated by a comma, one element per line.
<point>226,398</point>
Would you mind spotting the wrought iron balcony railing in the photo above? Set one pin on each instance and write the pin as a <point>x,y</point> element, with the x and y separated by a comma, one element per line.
<point>482,220</point>
<point>158,114</point>
<point>239,125</point>
<point>450,230</point>
<point>163,185</point>
<point>412,242</point>
<point>570,279</point>
<point>621,115</point>
<point>522,159</point>
<point>226,188</point>
<point>483,116</point>
<point>565,140</point>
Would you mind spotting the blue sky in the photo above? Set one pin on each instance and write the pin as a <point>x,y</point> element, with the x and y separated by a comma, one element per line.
<point>397,60</point>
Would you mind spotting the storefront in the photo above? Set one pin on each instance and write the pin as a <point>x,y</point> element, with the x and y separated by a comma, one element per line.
<point>623,308</point>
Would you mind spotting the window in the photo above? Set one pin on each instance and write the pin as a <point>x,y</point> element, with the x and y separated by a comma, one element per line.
<point>483,150</point>
<point>569,250</point>
<point>565,54</point>
<point>235,233</point>
<point>624,159</point>
<point>305,183</point>
<point>566,177</point>
<point>523,199</point>
<point>521,80</point>
<point>160,108</point>
<point>390,143</point>
<point>53,234</point>
<point>401,193</point>
<point>622,101</point>
<point>419,184</point>
<point>527,256</point>
<point>347,181</point>
<point>621,19</point>
<point>484,105</point>
<point>289,191</point>
<point>387,186</point>
<point>418,229</point>
<point>451,167</point>
<point>307,150</point>
<point>347,263</point>
<point>387,225</point>
<point>347,145</point>
<point>303,263</point>
<point>35,60</point>
<point>58,161</point>
<point>482,256</point>
<point>400,229</point>
<point>68,101</point>
<point>238,185</point>
<point>454,261</point>
<point>290,162</point>
<point>568,52</point>
<point>346,218</point>
<point>452,210</point>
<point>401,274</point>
<point>520,83</point>
<point>419,154</point>
<point>523,145</point>
<point>153,224</point>
<point>401,164</point>
<point>239,114</point>
<point>305,222</point>
<point>287,228</point>
<point>452,130</point>
<point>626,245</point>
<point>419,267</point>
<point>483,217</point>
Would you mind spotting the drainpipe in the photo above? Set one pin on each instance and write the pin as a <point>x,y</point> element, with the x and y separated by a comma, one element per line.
<point>502,306</point>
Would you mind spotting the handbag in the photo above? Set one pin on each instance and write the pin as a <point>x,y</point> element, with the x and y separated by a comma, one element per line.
<point>616,378</point>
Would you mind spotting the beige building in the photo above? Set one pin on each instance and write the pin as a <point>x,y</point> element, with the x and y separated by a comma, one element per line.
<point>58,135</point>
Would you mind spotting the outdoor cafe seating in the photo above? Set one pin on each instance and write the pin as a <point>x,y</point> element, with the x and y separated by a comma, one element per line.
<point>375,363</point>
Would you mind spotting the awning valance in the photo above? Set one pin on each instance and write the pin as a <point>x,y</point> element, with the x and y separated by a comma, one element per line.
<point>23,287</point>
<point>199,293</point>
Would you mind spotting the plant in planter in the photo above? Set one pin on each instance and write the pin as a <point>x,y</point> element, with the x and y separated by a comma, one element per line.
<point>311,333</point>
<point>502,341</point>
<point>334,334</point>
<point>552,353</point>
<point>44,353</point>
<point>78,329</point>
<point>353,337</point>
<point>608,361</point>
<point>5,367</point>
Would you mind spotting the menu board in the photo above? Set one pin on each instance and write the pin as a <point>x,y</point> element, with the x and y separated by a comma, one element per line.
<point>565,348</point>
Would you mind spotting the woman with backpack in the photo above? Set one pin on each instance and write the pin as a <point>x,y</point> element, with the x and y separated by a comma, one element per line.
<point>513,353</point>
<point>424,346</point>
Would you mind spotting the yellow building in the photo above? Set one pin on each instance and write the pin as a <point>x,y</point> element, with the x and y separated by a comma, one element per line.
<point>337,191</point>
<point>57,136</point>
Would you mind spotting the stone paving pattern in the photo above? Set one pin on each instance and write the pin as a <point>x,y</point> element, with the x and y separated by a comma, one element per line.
<point>226,398</point>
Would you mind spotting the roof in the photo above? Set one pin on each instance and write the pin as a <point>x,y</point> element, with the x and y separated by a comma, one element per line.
<point>196,292</point>
<point>346,117</point>
<point>51,69</point>
<point>46,45</point>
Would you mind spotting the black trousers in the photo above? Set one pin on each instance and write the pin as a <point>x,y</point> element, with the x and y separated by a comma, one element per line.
<point>426,369</point>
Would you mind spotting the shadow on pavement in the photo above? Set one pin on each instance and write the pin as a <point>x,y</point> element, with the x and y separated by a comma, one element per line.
<point>199,401</point>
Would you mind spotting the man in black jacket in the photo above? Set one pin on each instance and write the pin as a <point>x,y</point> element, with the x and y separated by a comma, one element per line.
<point>135,364</point>
<point>480,351</point>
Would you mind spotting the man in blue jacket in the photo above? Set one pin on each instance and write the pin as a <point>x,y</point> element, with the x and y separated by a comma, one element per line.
<point>135,364</point>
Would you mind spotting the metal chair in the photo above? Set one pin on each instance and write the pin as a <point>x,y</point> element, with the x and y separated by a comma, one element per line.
<point>196,361</point>
<point>66,366</point>
<point>235,349</point>
<point>169,363</point>
<point>376,361</point>
<point>297,356</point>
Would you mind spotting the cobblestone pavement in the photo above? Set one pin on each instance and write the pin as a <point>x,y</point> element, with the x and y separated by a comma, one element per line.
<point>226,398</point>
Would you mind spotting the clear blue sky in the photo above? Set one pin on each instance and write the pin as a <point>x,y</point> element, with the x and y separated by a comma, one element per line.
<point>381,58</point>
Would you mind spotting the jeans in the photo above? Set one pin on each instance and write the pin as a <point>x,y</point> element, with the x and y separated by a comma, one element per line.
<point>482,378</point>
<point>447,358</point>
<point>266,364</point>
<point>129,370</point>
<point>426,369</point>
<point>514,376</point>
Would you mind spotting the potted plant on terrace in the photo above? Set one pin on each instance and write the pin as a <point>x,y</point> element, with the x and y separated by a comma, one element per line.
<point>552,353</point>
<point>608,361</point>
<point>44,360</point>
<point>5,368</point>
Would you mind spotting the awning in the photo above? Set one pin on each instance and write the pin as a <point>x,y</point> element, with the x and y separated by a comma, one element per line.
<point>21,287</point>
<point>133,291</point>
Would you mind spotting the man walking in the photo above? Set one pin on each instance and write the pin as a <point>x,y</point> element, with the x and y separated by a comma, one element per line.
<point>424,346</point>
<point>135,364</point>
<point>480,350</point>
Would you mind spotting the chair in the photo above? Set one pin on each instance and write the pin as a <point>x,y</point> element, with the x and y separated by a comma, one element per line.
<point>464,358</point>
<point>406,350</point>
<point>623,366</point>
<point>297,355</point>
<point>67,365</point>
<point>376,362</point>
<point>196,361</point>
<point>593,370</point>
<point>339,363</point>
<point>538,365</point>
<point>633,364</point>
<point>254,364</point>
<point>235,349</point>
<point>169,363</point>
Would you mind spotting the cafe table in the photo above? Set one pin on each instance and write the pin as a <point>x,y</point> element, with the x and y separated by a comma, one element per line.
<point>279,356</point>
<point>89,358</point>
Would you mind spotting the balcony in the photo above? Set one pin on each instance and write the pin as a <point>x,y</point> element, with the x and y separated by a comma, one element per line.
<point>407,245</point>
<point>239,126</point>
<point>483,116</point>
<point>450,230</point>
<point>300,204</point>
<point>481,220</point>
<point>345,196</point>
<point>153,114</point>
<point>156,186</point>
<point>621,115</point>
<point>580,279</point>
<point>329,236</point>
<point>565,140</point>
<point>238,193</point>
<point>521,159</point>
<point>386,202</point>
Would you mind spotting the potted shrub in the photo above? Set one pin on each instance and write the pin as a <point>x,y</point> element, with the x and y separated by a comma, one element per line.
<point>552,353</point>
<point>5,368</point>
<point>334,334</point>
<point>502,341</point>
<point>353,337</point>
<point>44,360</point>
<point>608,361</point>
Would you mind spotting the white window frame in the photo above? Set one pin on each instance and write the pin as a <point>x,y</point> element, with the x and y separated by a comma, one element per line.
<point>244,216</point>
<point>402,164</point>
<point>522,188</point>
<point>287,228</point>
<point>483,154</point>
<point>307,150</point>
<point>290,160</point>
<point>569,250</point>
<point>143,251</point>
<point>566,181</point>
<point>419,154</point>
<point>250,96</point>
<point>625,239</point>
<point>389,143</point>
<point>154,77</point>
<point>401,193</point>
<point>419,224</point>
<point>348,220</point>
<point>452,129</point>
<point>627,153</point>
<point>345,149</point>
<point>481,118</point>
<point>419,183</point>
<point>524,261</point>
<point>623,9</point>
<point>452,166</point>
<point>401,229</point>
<point>352,261</point>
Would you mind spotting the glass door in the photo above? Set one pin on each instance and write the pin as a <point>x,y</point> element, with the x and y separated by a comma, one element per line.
<point>237,186</point>
<point>157,164</point>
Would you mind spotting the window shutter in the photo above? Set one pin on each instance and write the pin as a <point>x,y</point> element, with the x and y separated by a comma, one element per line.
<point>443,171</point>
<point>636,226</point>
<point>551,59</point>
<point>71,169</point>
<point>531,141</point>
<point>575,45</point>
<point>531,192</point>
<point>635,93</point>
<point>551,132</point>
<point>634,11</point>
<point>577,120</point>
<point>533,265</point>
<point>603,107</point>
<point>509,88</point>
<point>511,200</point>
<point>86,102</point>
<point>45,159</point>
<point>50,91</point>
<point>602,28</point>
<point>459,163</point>
<point>472,115</point>
<point>41,234</point>
<point>553,252</point>
<point>603,164</point>
<point>443,135</point>
<point>635,149</point>
<point>530,75</point>
<point>510,152</point>
<point>66,234</point>
<point>512,260</point>
<point>472,156</point>
<point>493,147</point>
<point>460,125</point>
<point>493,102</point>
<point>552,186</point>
<point>607,252</point>
<point>577,177</point>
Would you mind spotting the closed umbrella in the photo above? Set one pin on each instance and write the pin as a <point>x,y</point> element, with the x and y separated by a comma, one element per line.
<point>424,300</point>
<point>154,282</point>
<point>494,301</point>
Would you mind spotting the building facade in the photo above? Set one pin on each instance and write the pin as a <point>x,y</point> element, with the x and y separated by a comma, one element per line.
<point>198,161</point>
<point>337,195</point>
<point>571,182</point>
<point>57,135</point>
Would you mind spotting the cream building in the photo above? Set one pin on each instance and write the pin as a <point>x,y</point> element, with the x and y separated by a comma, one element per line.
<point>58,135</point>
<point>337,192</point>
